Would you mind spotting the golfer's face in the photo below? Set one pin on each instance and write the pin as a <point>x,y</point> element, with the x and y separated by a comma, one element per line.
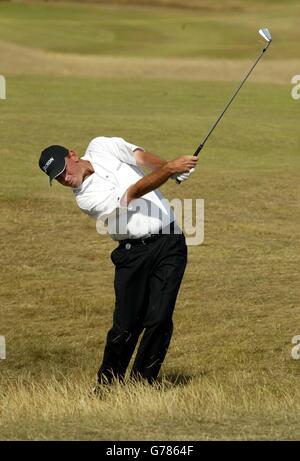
<point>72,175</point>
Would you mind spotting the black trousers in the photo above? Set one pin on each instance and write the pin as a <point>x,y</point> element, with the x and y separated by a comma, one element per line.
<point>147,280</point>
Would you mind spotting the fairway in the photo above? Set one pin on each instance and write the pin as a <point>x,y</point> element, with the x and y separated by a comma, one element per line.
<point>158,77</point>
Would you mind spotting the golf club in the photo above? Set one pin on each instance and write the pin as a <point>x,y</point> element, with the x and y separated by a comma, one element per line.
<point>264,32</point>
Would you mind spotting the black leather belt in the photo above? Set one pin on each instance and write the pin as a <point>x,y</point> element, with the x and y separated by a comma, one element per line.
<point>148,239</point>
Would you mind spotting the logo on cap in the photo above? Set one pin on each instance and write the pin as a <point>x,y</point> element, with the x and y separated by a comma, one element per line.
<point>46,166</point>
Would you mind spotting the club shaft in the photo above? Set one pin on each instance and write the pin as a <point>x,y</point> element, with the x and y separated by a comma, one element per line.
<point>199,148</point>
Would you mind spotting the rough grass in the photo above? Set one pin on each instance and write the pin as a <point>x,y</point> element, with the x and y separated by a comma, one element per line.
<point>20,60</point>
<point>191,409</point>
<point>229,372</point>
<point>238,305</point>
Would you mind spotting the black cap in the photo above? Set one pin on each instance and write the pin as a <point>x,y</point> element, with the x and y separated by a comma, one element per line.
<point>52,161</point>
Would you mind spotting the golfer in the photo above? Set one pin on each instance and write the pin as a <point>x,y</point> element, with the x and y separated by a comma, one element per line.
<point>109,185</point>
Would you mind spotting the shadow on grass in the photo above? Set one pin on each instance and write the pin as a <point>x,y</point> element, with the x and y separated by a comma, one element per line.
<point>175,379</point>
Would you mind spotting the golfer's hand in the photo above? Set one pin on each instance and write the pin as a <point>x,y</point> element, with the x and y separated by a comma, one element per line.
<point>183,176</point>
<point>182,164</point>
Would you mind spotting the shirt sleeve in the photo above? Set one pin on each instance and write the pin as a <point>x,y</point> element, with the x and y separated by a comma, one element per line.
<point>121,150</point>
<point>124,151</point>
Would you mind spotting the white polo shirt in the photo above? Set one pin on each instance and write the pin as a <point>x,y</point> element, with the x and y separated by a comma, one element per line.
<point>99,195</point>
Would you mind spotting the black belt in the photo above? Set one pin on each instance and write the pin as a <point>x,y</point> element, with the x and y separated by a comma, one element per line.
<point>150,238</point>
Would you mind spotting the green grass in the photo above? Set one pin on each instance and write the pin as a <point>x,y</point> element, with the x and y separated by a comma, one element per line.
<point>107,30</point>
<point>239,302</point>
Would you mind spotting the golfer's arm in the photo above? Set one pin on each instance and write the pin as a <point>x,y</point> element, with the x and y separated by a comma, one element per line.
<point>148,160</point>
<point>147,184</point>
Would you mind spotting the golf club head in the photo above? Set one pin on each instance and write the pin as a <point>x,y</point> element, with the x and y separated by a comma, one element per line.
<point>264,32</point>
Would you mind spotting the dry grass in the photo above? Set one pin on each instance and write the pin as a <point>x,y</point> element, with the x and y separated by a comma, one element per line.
<point>234,321</point>
<point>18,60</point>
<point>229,372</point>
<point>167,411</point>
